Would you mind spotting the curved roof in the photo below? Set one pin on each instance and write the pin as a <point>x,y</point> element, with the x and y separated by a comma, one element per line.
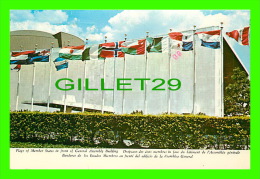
<point>31,33</point>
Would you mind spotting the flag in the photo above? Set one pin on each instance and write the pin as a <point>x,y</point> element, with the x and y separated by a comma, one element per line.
<point>134,47</point>
<point>91,53</point>
<point>39,56</point>
<point>180,41</point>
<point>21,57</point>
<point>68,53</point>
<point>240,35</point>
<point>17,67</point>
<point>157,45</point>
<point>210,39</point>
<point>61,63</point>
<point>72,52</point>
<point>111,49</point>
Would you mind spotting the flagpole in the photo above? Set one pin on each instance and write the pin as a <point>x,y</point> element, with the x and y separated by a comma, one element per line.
<point>194,71</point>
<point>146,70</point>
<point>104,66</point>
<point>33,80</point>
<point>65,97</point>
<point>124,71</point>
<point>84,76</point>
<point>222,70</point>
<point>169,63</point>
<point>49,91</point>
<point>17,95</point>
<point>18,85</point>
<point>113,102</point>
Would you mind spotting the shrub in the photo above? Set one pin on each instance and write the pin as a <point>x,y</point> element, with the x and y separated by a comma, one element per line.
<point>109,130</point>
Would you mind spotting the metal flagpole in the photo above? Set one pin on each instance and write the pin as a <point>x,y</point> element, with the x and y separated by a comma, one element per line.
<point>222,70</point>
<point>104,67</point>
<point>169,63</point>
<point>113,100</point>
<point>194,71</point>
<point>124,71</point>
<point>18,85</point>
<point>33,80</point>
<point>49,91</point>
<point>17,95</point>
<point>146,70</point>
<point>65,97</point>
<point>84,76</point>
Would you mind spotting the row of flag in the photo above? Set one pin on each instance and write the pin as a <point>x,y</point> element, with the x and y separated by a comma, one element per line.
<point>29,57</point>
<point>174,40</point>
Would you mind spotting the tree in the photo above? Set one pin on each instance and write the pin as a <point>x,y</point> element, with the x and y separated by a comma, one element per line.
<point>237,94</point>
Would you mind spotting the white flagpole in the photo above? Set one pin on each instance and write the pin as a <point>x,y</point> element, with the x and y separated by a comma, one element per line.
<point>84,76</point>
<point>194,71</point>
<point>113,102</point>
<point>17,95</point>
<point>103,95</point>
<point>169,63</point>
<point>103,98</point>
<point>124,71</point>
<point>18,85</point>
<point>65,97</point>
<point>222,70</point>
<point>146,70</point>
<point>49,91</point>
<point>33,80</point>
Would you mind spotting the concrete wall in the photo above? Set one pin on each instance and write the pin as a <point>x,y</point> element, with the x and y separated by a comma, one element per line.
<point>207,89</point>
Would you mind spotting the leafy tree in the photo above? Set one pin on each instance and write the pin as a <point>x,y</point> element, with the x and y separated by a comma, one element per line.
<point>237,94</point>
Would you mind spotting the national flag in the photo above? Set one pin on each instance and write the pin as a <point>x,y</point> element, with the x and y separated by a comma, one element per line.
<point>180,41</point>
<point>39,56</point>
<point>111,49</point>
<point>21,57</point>
<point>210,39</point>
<point>91,53</point>
<point>134,47</point>
<point>68,53</point>
<point>157,45</point>
<point>240,35</point>
<point>61,63</point>
<point>17,67</point>
<point>72,52</point>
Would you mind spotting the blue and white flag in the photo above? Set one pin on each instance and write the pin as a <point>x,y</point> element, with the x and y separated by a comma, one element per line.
<point>210,39</point>
<point>61,63</point>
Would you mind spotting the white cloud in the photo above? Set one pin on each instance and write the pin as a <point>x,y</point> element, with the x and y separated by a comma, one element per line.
<point>95,37</point>
<point>52,21</point>
<point>135,23</point>
<point>46,27</point>
<point>91,29</point>
<point>53,17</point>
<point>21,15</point>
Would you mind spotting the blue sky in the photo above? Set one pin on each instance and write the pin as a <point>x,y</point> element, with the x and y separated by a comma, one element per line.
<point>95,24</point>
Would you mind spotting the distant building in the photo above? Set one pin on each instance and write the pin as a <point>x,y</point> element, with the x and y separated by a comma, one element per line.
<point>27,40</point>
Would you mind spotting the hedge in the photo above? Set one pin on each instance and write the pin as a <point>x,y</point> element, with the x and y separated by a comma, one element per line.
<point>134,131</point>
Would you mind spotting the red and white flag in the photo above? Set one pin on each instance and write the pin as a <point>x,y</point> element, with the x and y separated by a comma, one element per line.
<point>240,35</point>
<point>111,49</point>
